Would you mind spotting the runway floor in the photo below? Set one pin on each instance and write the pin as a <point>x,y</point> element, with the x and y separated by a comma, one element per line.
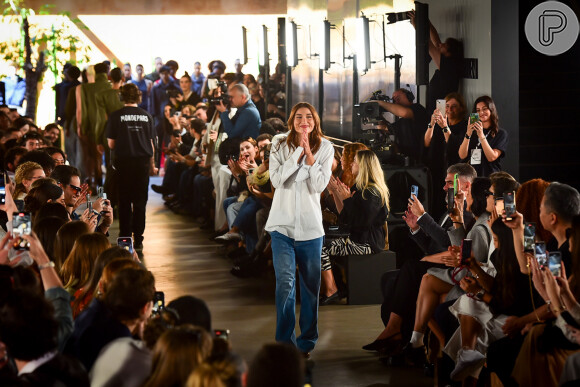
<point>184,261</point>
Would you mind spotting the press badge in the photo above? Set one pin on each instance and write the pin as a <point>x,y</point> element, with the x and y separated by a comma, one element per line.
<point>475,156</point>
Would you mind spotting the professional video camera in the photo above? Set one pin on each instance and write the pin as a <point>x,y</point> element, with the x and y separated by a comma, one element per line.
<point>370,112</point>
<point>223,97</point>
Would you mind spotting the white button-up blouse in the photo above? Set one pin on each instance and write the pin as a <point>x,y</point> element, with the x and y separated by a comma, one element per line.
<point>296,210</point>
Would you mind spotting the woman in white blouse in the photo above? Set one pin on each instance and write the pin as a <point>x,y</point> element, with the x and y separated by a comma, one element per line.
<point>300,168</point>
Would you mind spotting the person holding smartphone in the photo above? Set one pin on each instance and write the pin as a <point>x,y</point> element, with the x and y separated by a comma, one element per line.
<point>485,143</point>
<point>300,169</point>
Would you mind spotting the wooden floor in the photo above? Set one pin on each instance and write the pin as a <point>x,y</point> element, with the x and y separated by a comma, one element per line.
<point>184,261</point>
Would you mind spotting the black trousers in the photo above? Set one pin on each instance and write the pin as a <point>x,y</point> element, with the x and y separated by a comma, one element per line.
<point>133,187</point>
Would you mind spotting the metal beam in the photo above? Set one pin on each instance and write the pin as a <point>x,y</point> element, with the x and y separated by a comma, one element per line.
<point>96,41</point>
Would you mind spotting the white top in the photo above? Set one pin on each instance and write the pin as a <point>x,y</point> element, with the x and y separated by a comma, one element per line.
<point>32,365</point>
<point>296,210</point>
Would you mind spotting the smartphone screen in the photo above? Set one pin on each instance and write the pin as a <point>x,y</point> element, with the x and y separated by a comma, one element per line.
<point>222,334</point>
<point>441,106</point>
<point>21,225</point>
<point>509,202</point>
<point>473,118</point>
<point>450,200</point>
<point>555,263</point>
<point>456,184</point>
<point>414,191</point>
<point>465,250</point>
<point>158,302</point>
<point>3,190</point>
<point>126,243</point>
<point>499,206</point>
<point>540,253</point>
<point>529,236</point>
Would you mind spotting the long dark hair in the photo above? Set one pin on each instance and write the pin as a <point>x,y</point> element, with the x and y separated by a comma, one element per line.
<point>478,188</point>
<point>575,240</point>
<point>494,126</point>
<point>508,264</point>
<point>315,137</point>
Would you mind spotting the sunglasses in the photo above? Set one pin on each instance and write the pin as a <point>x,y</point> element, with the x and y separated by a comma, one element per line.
<point>78,189</point>
<point>487,193</point>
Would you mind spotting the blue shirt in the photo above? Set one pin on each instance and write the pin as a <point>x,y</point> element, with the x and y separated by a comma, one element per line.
<point>245,123</point>
<point>144,93</point>
<point>158,99</point>
<point>197,83</point>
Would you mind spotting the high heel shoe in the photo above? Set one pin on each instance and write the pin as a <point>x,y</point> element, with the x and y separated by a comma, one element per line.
<point>381,344</point>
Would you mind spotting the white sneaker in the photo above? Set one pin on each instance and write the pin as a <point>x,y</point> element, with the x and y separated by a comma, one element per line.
<point>468,360</point>
<point>229,237</point>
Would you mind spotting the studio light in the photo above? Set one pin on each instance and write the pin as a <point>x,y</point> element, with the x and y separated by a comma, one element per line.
<point>291,44</point>
<point>244,45</point>
<point>325,46</point>
<point>264,54</point>
<point>363,52</point>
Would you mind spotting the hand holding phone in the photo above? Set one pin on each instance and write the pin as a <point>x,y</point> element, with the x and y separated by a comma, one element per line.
<point>126,243</point>
<point>529,236</point>
<point>414,191</point>
<point>509,203</point>
<point>555,263</point>
<point>465,250</point>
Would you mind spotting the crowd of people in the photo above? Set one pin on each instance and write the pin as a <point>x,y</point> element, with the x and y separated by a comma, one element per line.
<point>481,297</point>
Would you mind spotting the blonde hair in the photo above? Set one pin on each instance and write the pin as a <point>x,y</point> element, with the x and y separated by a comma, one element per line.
<point>371,177</point>
<point>24,171</point>
<point>76,269</point>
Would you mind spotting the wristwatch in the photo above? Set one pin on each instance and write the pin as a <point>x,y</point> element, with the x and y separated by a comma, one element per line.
<point>479,295</point>
<point>467,137</point>
<point>446,129</point>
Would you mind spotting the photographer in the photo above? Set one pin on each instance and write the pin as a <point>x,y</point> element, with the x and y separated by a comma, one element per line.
<point>410,128</point>
<point>246,122</point>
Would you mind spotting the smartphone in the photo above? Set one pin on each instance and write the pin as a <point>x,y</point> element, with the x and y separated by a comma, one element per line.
<point>3,189</point>
<point>450,200</point>
<point>333,228</point>
<point>529,236</point>
<point>509,203</point>
<point>555,263</point>
<point>473,118</point>
<point>126,243</point>
<point>158,302</point>
<point>569,319</point>
<point>540,253</point>
<point>21,225</point>
<point>499,206</point>
<point>465,250</point>
<point>455,184</point>
<point>222,334</point>
<point>89,203</point>
<point>414,191</point>
<point>440,103</point>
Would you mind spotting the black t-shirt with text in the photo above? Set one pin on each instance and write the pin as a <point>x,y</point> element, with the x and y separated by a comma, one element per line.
<point>132,129</point>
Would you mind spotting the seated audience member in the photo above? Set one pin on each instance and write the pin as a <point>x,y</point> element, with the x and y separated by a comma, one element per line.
<point>238,187</point>
<point>30,141</point>
<point>176,355</point>
<point>90,290</point>
<point>192,310</point>
<point>46,230</point>
<point>485,143</point>
<point>52,209</point>
<point>29,329</point>
<point>69,179</point>
<point>346,161</point>
<point>43,191</point>
<point>57,155</point>
<point>186,96</point>
<point>41,157</point>
<point>12,159</point>
<point>66,236</point>
<point>438,283</point>
<point>278,125</point>
<point>25,175</point>
<point>128,303</point>
<point>528,200</point>
<point>76,269</point>
<point>228,370</point>
<point>51,134</point>
<point>364,210</point>
<point>433,239</point>
<point>279,364</point>
<point>489,303</point>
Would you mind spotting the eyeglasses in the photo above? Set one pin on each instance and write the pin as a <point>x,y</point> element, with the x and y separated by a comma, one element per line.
<point>487,193</point>
<point>78,189</point>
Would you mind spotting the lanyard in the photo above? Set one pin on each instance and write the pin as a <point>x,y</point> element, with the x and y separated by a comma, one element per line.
<point>479,141</point>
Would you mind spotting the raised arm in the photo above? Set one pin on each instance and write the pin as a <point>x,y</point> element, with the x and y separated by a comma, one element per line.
<point>281,169</point>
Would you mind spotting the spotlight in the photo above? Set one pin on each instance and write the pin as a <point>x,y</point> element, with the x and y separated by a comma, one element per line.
<point>291,44</point>
<point>244,45</point>
<point>325,46</point>
<point>363,53</point>
<point>264,54</point>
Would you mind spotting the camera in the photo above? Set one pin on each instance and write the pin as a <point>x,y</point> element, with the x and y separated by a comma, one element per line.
<point>370,112</point>
<point>394,17</point>
<point>173,92</point>
<point>224,97</point>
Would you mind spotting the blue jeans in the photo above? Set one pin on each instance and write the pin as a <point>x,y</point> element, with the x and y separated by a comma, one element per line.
<point>287,253</point>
